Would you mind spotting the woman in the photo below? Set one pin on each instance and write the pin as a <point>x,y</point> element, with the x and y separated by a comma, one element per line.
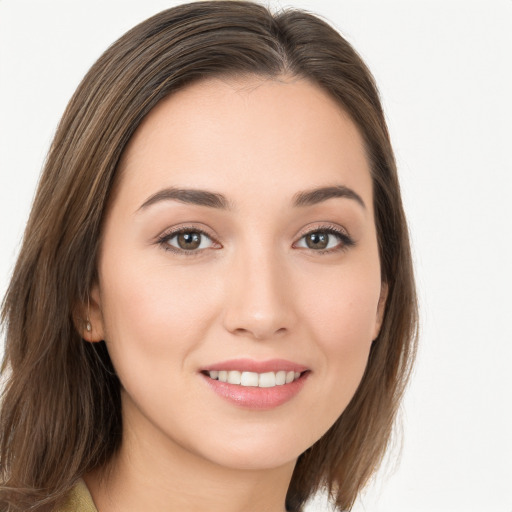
<point>214,303</point>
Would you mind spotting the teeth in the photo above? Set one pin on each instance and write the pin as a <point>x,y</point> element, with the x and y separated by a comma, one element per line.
<point>280,378</point>
<point>234,377</point>
<point>253,379</point>
<point>267,380</point>
<point>249,379</point>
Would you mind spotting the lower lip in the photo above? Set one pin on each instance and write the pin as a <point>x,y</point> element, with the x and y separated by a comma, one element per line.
<point>250,397</point>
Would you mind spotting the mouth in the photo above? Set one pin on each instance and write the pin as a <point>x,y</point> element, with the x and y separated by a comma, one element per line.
<point>259,385</point>
<point>254,379</point>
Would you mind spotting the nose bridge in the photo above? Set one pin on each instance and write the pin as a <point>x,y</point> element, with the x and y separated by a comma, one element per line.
<point>259,302</point>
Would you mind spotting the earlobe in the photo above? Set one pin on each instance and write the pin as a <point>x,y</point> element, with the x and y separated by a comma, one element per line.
<point>89,317</point>
<point>381,309</point>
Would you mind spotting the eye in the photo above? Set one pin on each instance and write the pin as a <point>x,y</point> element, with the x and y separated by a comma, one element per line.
<point>186,240</point>
<point>325,239</point>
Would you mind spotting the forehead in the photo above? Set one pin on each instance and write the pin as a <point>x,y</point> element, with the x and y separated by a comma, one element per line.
<point>246,133</point>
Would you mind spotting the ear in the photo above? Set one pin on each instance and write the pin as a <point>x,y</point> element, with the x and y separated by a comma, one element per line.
<point>381,309</point>
<point>89,317</point>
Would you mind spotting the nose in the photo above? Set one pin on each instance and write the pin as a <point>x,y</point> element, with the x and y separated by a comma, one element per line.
<point>260,302</point>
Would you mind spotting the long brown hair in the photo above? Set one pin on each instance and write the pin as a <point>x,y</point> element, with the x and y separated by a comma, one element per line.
<point>61,410</point>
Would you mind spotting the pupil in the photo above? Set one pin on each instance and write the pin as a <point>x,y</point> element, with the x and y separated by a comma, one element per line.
<point>317,240</point>
<point>190,240</point>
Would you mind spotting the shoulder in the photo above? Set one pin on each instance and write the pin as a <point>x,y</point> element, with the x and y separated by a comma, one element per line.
<point>79,499</point>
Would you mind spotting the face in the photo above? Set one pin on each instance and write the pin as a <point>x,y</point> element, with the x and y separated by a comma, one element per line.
<point>239,281</point>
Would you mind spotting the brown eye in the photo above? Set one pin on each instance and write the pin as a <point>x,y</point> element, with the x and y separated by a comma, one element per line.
<point>189,240</point>
<point>325,239</point>
<point>317,240</point>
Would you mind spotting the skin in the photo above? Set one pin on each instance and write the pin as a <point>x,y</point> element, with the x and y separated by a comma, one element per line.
<point>253,289</point>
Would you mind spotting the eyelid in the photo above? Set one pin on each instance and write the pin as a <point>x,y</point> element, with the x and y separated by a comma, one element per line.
<point>346,240</point>
<point>165,236</point>
<point>322,226</point>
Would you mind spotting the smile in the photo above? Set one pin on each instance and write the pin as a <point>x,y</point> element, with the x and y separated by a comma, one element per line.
<point>253,379</point>
<point>257,385</point>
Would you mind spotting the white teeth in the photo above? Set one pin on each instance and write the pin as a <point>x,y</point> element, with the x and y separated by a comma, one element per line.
<point>234,377</point>
<point>280,378</point>
<point>249,379</point>
<point>267,380</point>
<point>253,379</point>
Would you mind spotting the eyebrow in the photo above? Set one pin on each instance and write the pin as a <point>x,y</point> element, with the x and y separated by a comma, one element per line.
<point>318,195</point>
<point>189,196</point>
<point>216,200</point>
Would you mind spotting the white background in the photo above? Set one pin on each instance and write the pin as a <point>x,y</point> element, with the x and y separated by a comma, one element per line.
<point>444,71</point>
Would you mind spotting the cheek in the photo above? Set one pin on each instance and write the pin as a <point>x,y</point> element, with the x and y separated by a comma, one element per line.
<point>344,308</point>
<point>151,313</point>
<point>342,320</point>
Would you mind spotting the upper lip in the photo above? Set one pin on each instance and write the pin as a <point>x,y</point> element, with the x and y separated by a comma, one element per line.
<point>251,365</point>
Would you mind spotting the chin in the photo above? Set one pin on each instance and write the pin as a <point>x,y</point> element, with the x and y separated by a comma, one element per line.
<point>256,449</point>
<point>254,460</point>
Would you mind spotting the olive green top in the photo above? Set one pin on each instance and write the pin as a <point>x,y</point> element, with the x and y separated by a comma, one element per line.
<point>78,500</point>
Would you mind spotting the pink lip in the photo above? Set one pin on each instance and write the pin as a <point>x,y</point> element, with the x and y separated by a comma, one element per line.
<point>255,397</point>
<point>250,365</point>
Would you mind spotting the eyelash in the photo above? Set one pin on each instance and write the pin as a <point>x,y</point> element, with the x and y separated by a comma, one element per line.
<point>163,240</point>
<point>345,241</point>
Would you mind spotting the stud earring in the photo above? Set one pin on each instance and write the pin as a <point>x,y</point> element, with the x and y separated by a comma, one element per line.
<point>88,326</point>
